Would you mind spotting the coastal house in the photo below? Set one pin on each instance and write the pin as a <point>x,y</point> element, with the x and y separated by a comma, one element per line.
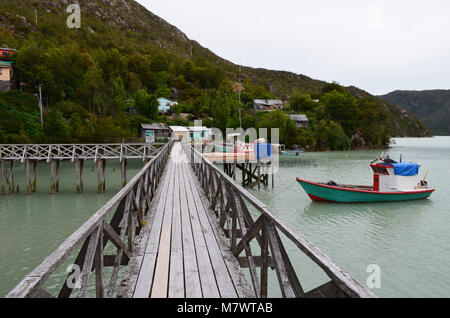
<point>154,132</point>
<point>267,104</point>
<point>6,74</point>
<point>190,133</point>
<point>6,53</point>
<point>301,121</point>
<point>165,105</point>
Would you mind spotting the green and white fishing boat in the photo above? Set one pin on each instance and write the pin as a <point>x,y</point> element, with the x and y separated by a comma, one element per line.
<point>392,181</point>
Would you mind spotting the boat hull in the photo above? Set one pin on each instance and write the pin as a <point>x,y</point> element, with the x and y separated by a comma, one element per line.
<point>294,153</point>
<point>326,193</point>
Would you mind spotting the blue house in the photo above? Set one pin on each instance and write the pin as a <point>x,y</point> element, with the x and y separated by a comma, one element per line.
<point>165,104</point>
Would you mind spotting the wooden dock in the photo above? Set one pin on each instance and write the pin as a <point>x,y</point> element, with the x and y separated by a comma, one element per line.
<point>183,228</point>
<point>53,154</point>
<point>183,254</point>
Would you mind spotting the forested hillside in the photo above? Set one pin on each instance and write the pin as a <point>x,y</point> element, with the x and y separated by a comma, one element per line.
<point>124,57</point>
<point>432,107</point>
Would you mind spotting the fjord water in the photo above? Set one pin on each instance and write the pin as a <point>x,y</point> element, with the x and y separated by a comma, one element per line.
<point>32,227</point>
<point>409,241</point>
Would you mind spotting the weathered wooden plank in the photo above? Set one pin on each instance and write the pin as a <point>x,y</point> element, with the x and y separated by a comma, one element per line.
<point>207,278</point>
<point>223,279</point>
<point>161,277</point>
<point>238,278</point>
<point>283,279</point>
<point>191,272</point>
<point>145,279</point>
<point>88,262</point>
<point>115,239</point>
<point>237,209</point>
<point>99,266</point>
<point>176,283</point>
<point>327,290</point>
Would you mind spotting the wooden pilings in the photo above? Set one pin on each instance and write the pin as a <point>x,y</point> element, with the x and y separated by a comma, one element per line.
<point>27,176</point>
<point>101,168</point>
<point>252,174</point>
<point>79,164</point>
<point>124,171</point>
<point>7,178</point>
<point>54,176</point>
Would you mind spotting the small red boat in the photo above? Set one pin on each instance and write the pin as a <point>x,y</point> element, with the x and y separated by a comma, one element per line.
<point>392,181</point>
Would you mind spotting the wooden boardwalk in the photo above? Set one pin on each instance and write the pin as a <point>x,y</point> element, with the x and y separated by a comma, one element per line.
<point>183,253</point>
<point>185,229</point>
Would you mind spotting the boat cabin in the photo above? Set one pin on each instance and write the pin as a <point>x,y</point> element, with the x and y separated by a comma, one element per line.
<point>393,176</point>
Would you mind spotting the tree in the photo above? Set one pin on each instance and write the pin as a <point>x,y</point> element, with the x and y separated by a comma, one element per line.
<point>301,102</point>
<point>147,105</point>
<point>55,127</point>
<point>220,109</point>
<point>159,63</point>
<point>341,108</point>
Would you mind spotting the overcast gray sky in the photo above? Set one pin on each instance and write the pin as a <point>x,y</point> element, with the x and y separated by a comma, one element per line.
<point>379,46</point>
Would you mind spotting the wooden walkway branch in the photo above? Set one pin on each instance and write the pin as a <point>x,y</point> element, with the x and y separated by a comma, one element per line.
<point>93,236</point>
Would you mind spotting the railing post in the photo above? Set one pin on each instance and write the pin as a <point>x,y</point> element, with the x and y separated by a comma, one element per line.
<point>264,260</point>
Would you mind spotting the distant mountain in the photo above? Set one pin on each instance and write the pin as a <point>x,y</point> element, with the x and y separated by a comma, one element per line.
<point>431,106</point>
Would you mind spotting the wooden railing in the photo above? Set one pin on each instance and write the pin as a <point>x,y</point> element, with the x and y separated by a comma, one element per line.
<point>231,204</point>
<point>131,205</point>
<point>78,151</point>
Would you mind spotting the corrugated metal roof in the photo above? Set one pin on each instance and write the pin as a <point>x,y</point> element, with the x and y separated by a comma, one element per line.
<point>268,102</point>
<point>155,126</point>
<point>299,117</point>
<point>178,129</point>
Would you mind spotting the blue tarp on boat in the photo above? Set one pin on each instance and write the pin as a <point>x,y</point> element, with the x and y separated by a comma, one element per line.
<point>406,169</point>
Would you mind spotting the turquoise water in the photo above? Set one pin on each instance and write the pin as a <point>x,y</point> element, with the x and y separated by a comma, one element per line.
<point>409,241</point>
<point>32,227</point>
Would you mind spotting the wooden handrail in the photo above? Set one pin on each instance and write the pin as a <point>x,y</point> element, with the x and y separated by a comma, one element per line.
<point>232,209</point>
<point>95,233</point>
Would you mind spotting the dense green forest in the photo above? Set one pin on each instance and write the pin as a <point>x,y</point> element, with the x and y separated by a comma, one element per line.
<point>125,57</point>
<point>431,106</point>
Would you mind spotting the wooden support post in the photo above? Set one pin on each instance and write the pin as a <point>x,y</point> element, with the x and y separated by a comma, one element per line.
<point>99,176</point>
<point>78,174</point>
<point>259,175</point>
<point>27,176</point>
<point>11,177</point>
<point>58,162</point>
<point>264,261</point>
<point>124,172</point>
<point>273,176</point>
<point>103,174</point>
<point>52,177</point>
<point>4,177</point>
<point>34,175</point>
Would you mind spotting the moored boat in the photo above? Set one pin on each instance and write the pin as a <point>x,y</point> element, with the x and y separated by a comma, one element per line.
<point>294,153</point>
<point>392,181</point>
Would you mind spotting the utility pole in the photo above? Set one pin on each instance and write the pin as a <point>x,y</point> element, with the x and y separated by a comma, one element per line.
<point>239,85</point>
<point>240,120</point>
<point>39,97</point>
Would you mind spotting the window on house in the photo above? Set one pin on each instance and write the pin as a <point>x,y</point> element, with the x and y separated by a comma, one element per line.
<point>5,53</point>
